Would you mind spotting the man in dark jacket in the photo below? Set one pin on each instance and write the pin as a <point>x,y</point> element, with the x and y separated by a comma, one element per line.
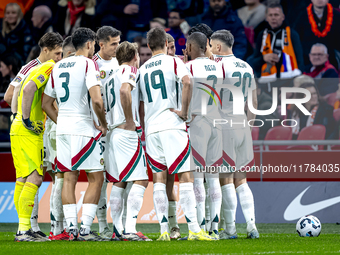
<point>319,23</point>
<point>278,52</point>
<point>41,21</point>
<point>221,16</point>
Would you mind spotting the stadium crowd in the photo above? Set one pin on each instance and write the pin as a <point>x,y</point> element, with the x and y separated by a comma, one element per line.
<point>287,42</point>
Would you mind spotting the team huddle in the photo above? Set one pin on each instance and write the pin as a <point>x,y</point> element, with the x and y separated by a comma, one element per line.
<point>96,108</point>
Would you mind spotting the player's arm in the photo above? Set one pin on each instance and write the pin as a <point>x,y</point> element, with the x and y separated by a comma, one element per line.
<point>14,102</point>
<point>126,101</point>
<point>98,107</point>
<point>186,97</point>
<point>142,114</point>
<point>48,106</point>
<point>9,94</point>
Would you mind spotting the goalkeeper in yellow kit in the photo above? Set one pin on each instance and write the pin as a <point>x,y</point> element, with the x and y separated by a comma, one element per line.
<point>27,135</point>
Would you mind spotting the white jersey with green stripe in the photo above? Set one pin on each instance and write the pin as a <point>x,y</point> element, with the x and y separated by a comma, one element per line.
<point>239,74</point>
<point>158,79</point>
<point>205,99</point>
<point>114,111</point>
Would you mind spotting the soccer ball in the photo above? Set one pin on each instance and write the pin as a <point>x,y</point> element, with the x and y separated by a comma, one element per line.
<point>308,225</point>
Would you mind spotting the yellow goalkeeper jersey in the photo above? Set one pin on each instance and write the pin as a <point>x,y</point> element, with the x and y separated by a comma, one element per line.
<point>39,75</point>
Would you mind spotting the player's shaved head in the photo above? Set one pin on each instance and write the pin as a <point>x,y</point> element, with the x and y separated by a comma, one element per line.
<point>156,38</point>
<point>199,40</point>
<point>68,47</point>
<point>81,36</point>
<point>224,36</point>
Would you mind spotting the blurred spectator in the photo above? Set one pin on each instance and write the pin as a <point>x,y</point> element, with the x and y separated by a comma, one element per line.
<point>41,21</point>
<point>144,54</point>
<point>140,40</point>
<point>278,52</point>
<point>15,34</point>
<point>299,80</point>
<point>319,23</point>
<point>33,54</point>
<point>72,14</point>
<point>221,16</point>
<point>251,16</point>
<point>191,9</point>
<point>9,67</point>
<point>321,113</point>
<point>25,5</point>
<point>157,22</point>
<point>327,77</point>
<point>176,19</point>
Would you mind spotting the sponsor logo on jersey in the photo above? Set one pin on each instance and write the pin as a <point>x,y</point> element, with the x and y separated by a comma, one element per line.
<point>102,161</point>
<point>102,74</point>
<point>132,77</point>
<point>41,78</point>
<point>17,79</point>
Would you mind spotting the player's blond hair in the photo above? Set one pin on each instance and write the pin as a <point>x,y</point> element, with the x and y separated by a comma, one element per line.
<point>126,51</point>
<point>169,38</point>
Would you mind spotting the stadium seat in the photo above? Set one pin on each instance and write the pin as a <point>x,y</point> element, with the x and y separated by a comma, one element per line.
<point>336,114</point>
<point>255,132</point>
<point>315,132</point>
<point>279,133</point>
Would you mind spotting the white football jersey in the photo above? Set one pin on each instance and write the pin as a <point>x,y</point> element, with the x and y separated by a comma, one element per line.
<point>206,75</point>
<point>114,111</point>
<point>158,78</point>
<point>71,79</point>
<point>24,71</point>
<point>238,73</point>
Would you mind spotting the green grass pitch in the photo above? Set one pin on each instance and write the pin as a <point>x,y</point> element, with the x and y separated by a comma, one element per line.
<point>274,239</point>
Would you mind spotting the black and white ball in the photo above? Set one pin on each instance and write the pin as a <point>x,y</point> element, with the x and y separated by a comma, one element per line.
<point>308,225</point>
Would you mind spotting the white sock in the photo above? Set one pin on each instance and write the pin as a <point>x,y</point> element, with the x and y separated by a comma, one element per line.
<point>58,212</point>
<point>125,196</point>
<point>207,208</point>
<point>70,212</point>
<point>247,203</point>
<point>51,208</point>
<point>199,191</point>
<point>188,203</point>
<point>172,216</point>
<point>89,213</point>
<point>34,216</point>
<point>229,207</point>
<point>116,204</point>
<point>222,221</point>
<point>134,204</point>
<point>102,208</point>
<point>161,204</point>
<point>215,195</point>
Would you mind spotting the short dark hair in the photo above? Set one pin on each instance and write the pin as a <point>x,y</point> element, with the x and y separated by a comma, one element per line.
<point>156,38</point>
<point>203,28</point>
<point>12,60</point>
<point>126,51</point>
<point>51,40</point>
<point>180,12</point>
<point>105,32</point>
<point>274,5</point>
<point>224,36</point>
<point>199,39</point>
<point>81,36</point>
<point>68,42</point>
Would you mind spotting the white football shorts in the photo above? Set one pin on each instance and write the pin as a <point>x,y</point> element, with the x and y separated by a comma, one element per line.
<point>169,149</point>
<point>77,152</point>
<point>127,159</point>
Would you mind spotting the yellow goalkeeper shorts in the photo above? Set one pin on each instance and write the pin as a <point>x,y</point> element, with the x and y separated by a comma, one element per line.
<point>28,154</point>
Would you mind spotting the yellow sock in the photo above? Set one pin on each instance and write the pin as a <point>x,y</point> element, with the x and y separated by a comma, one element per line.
<point>26,203</point>
<point>17,192</point>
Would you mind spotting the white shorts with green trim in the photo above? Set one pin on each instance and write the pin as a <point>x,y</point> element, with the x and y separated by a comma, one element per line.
<point>127,159</point>
<point>238,151</point>
<point>169,149</point>
<point>206,144</point>
<point>77,152</point>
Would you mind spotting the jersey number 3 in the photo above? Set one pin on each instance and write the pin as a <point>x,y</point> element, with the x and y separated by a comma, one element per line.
<point>65,86</point>
<point>157,82</point>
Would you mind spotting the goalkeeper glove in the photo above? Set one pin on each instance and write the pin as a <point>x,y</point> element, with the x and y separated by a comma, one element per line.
<point>35,126</point>
<point>12,118</point>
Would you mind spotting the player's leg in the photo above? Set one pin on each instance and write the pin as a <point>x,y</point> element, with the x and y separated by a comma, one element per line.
<point>90,202</point>
<point>19,185</point>
<point>69,202</point>
<point>125,197</point>
<point>170,192</point>
<point>200,196</point>
<point>53,177</point>
<point>207,206</point>
<point>104,230</point>
<point>116,205</point>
